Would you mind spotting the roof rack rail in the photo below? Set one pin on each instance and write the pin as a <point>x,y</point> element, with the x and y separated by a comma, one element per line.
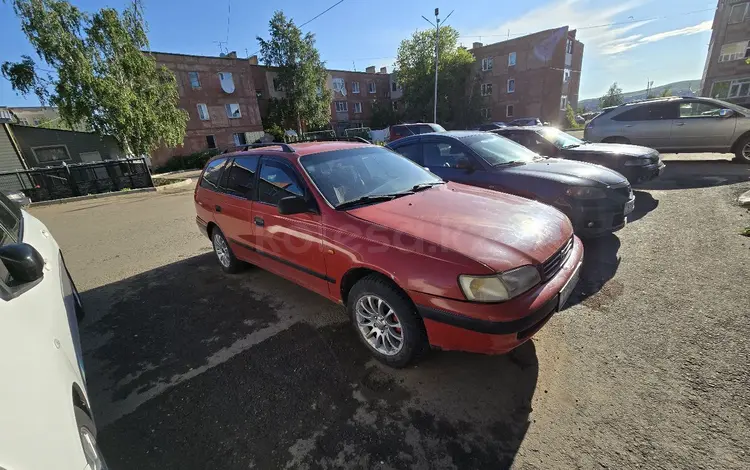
<point>656,98</point>
<point>338,139</point>
<point>241,148</point>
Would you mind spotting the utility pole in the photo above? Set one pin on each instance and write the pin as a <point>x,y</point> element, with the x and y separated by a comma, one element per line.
<point>437,55</point>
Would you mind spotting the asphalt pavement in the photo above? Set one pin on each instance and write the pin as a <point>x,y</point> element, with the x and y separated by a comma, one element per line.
<point>188,367</point>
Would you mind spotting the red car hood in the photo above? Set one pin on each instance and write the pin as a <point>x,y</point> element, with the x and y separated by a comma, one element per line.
<point>499,230</point>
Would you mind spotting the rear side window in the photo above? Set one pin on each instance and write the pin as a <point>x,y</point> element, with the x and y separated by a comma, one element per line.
<point>424,128</point>
<point>277,181</point>
<point>401,131</point>
<point>412,151</point>
<point>241,179</point>
<point>212,173</point>
<point>650,112</point>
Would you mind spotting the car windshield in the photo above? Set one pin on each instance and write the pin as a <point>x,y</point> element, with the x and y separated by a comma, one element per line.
<point>559,138</point>
<point>343,176</point>
<point>496,150</point>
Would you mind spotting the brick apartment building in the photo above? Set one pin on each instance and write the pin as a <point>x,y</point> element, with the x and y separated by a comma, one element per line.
<point>531,76</point>
<point>353,93</point>
<point>219,95</point>
<point>726,75</point>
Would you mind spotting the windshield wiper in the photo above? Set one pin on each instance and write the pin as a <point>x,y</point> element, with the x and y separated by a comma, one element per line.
<point>512,163</point>
<point>371,198</point>
<point>571,146</point>
<point>421,186</point>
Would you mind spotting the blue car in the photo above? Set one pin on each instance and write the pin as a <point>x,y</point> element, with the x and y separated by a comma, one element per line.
<point>596,200</point>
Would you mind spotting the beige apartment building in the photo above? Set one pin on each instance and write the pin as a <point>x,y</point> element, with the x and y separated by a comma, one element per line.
<point>536,75</point>
<point>726,74</point>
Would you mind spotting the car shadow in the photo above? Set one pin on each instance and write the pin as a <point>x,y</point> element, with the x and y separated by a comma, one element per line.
<point>698,174</point>
<point>600,263</point>
<point>644,203</point>
<point>188,367</point>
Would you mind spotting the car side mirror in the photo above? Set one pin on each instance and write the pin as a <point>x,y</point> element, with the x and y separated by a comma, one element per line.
<point>725,113</point>
<point>293,205</point>
<point>23,262</point>
<point>464,163</point>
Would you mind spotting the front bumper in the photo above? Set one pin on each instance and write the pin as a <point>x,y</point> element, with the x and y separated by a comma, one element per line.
<point>495,328</point>
<point>641,174</point>
<point>599,217</point>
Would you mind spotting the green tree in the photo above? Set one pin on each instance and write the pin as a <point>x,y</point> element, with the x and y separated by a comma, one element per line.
<point>383,115</point>
<point>301,73</point>
<point>99,73</point>
<point>613,97</point>
<point>458,84</point>
<point>570,118</point>
<point>666,92</point>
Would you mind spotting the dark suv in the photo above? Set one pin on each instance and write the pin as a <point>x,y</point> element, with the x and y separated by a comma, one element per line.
<point>597,200</point>
<point>403,130</point>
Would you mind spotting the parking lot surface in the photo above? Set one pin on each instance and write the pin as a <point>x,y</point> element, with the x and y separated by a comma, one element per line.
<point>188,367</point>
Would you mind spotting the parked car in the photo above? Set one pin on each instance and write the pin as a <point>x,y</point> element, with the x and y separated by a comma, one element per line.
<point>637,164</point>
<point>415,260</point>
<point>597,200</point>
<point>489,126</point>
<point>44,407</point>
<point>526,122</point>
<point>18,197</point>
<point>680,125</point>
<point>402,130</point>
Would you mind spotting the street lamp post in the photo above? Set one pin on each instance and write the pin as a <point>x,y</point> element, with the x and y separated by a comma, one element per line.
<point>437,55</point>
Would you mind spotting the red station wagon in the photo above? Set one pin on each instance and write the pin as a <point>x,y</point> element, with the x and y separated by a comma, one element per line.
<point>417,262</point>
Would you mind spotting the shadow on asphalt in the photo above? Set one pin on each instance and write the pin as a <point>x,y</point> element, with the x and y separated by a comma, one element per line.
<point>644,203</point>
<point>699,174</point>
<point>306,396</point>
<point>600,264</point>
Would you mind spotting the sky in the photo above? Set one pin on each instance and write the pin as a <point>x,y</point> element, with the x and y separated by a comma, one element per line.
<point>628,41</point>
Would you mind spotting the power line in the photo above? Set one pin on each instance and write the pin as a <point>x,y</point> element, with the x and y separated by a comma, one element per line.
<point>229,16</point>
<point>602,25</point>
<point>321,13</point>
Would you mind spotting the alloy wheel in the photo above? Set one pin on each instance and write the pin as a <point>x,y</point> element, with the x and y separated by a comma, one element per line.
<point>379,325</point>
<point>222,250</point>
<point>746,151</point>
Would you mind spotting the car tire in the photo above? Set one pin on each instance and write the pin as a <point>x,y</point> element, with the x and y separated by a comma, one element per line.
<point>397,318</point>
<point>87,433</point>
<point>224,255</point>
<point>742,154</point>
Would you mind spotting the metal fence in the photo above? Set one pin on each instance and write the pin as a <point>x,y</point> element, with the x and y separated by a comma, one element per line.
<point>79,179</point>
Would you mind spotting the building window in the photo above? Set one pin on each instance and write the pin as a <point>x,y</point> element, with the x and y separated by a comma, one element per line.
<point>277,85</point>
<point>564,102</point>
<point>355,87</point>
<point>486,113</point>
<point>37,122</point>
<point>487,63</point>
<point>239,139</point>
<point>566,75</point>
<point>202,112</point>
<point>211,141</point>
<point>394,86</point>
<point>569,46</point>
<point>511,59</point>
<point>233,111</point>
<point>342,106</point>
<point>258,94</point>
<point>55,153</point>
<point>734,51</point>
<point>486,89</point>
<point>394,104</point>
<point>339,86</point>
<point>371,87</point>
<point>195,82</point>
<point>738,13</point>
<point>511,85</point>
<point>509,110</point>
<point>24,122</point>
<point>226,81</point>
<point>357,108</point>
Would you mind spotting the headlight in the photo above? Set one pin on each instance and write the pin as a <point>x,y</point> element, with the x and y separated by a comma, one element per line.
<point>637,162</point>
<point>586,193</point>
<point>503,286</point>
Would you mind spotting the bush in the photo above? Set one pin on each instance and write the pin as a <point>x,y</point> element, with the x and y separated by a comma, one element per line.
<point>194,161</point>
<point>277,132</point>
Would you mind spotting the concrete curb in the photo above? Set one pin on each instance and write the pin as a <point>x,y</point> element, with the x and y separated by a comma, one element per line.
<point>91,196</point>
<point>180,184</point>
<point>744,199</point>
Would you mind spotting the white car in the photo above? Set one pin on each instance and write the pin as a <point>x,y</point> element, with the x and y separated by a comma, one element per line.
<point>45,418</point>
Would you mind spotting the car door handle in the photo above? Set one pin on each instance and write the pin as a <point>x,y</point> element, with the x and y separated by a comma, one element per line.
<point>260,222</point>
<point>218,208</point>
<point>628,125</point>
<point>679,123</point>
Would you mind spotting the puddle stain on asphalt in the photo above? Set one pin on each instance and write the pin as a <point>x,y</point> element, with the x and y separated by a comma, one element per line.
<point>312,398</point>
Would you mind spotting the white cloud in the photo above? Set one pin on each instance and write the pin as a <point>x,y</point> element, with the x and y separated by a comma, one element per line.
<point>623,44</point>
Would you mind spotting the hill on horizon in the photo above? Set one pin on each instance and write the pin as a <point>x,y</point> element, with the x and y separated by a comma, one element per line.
<point>685,88</point>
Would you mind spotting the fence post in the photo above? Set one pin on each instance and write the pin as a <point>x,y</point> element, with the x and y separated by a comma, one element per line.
<point>148,172</point>
<point>71,181</point>
<point>130,174</point>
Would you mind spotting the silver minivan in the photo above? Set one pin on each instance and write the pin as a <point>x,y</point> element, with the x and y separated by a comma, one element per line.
<point>680,125</point>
